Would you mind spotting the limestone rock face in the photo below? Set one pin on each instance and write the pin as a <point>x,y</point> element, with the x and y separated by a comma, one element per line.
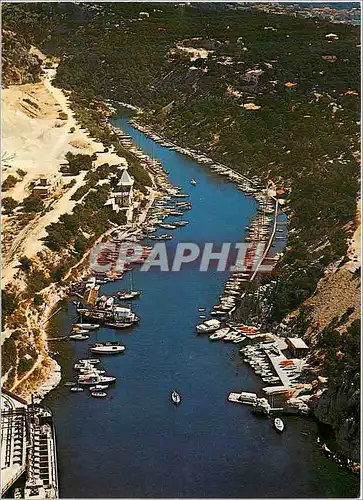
<point>339,407</point>
<point>19,66</point>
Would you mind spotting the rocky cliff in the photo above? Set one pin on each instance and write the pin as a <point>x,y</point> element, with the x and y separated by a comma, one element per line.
<point>19,64</point>
<point>339,407</point>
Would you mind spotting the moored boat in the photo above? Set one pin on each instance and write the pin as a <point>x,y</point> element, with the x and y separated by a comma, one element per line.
<point>107,348</point>
<point>98,394</point>
<point>95,379</point>
<point>86,326</point>
<point>209,326</point>
<point>99,387</point>
<point>77,389</point>
<point>79,336</point>
<point>219,334</point>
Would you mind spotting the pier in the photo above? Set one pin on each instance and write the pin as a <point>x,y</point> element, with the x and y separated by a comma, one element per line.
<point>28,449</point>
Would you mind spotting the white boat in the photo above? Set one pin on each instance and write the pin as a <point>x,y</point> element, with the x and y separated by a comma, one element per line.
<point>107,348</point>
<point>176,398</point>
<point>99,387</point>
<point>278,424</point>
<point>119,324</point>
<point>79,336</point>
<point>92,361</point>
<point>77,389</point>
<point>209,326</point>
<point>86,326</point>
<point>167,226</point>
<point>219,334</point>
<point>131,294</point>
<point>125,295</point>
<point>98,394</point>
<point>80,332</point>
<point>95,379</point>
<point>193,182</point>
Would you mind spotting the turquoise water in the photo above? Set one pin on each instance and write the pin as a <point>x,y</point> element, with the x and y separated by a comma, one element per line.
<point>136,443</point>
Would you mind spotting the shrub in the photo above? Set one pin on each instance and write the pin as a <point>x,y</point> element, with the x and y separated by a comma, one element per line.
<point>21,173</point>
<point>38,300</point>
<point>33,203</point>
<point>9,182</point>
<point>25,263</point>
<point>9,204</point>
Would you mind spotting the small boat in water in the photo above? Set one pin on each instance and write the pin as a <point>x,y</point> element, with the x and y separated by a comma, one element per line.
<point>278,424</point>
<point>92,361</point>
<point>79,336</point>
<point>95,379</point>
<point>98,394</point>
<point>125,295</point>
<point>175,397</point>
<point>219,334</point>
<point>119,324</point>
<point>99,387</point>
<point>193,182</point>
<point>86,326</point>
<point>209,326</point>
<point>107,348</point>
<point>181,195</point>
<point>77,389</point>
<point>69,384</point>
<point>129,294</point>
<point>167,226</point>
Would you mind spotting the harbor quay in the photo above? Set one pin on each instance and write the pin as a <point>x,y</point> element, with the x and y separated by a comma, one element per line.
<point>28,449</point>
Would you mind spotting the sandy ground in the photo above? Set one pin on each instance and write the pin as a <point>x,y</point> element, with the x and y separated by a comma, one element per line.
<point>35,139</point>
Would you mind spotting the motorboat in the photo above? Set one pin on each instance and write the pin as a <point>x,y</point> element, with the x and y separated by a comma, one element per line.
<point>99,387</point>
<point>219,334</point>
<point>95,379</point>
<point>107,348</point>
<point>69,384</point>
<point>180,223</point>
<point>181,195</point>
<point>79,336</point>
<point>161,237</point>
<point>92,361</point>
<point>86,326</point>
<point>119,324</point>
<point>167,226</point>
<point>278,424</point>
<point>77,389</point>
<point>175,397</point>
<point>209,326</point>
<point>193,182</point>
<point>125,295</point>
<point>80,331</point>
<point>98,394</point>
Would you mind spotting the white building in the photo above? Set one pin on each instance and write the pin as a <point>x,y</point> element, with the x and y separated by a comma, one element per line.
<point>122,196</point>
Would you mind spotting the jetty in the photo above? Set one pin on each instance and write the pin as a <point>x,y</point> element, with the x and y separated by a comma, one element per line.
<point>28,449</point>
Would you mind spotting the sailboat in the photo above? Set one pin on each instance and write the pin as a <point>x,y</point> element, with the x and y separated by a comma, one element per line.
<point>127,295</point>
<point>175,397</point>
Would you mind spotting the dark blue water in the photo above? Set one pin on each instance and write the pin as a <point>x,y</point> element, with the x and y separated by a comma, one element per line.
<point>136,443</point>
